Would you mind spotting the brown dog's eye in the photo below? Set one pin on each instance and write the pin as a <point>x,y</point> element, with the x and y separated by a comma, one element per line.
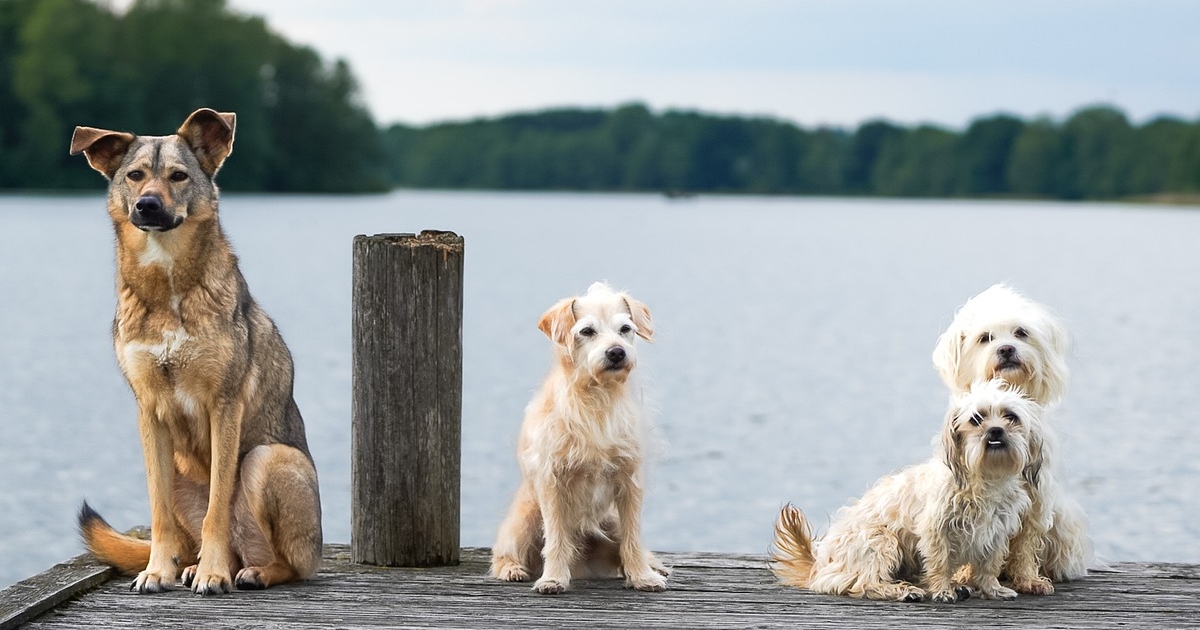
<point>976,420</point>
<point>178,176</point>
<point>1020,333</point>
<point>985,337</point>
<point>135,176</point>
<point>587,332</point>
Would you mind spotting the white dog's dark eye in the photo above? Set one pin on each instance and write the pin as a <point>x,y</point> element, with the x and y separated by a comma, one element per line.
<point>976,420</point>
<point>985,337</point>
<point>626,329</point>
<point>1020,333</point>
<point>1012,417</point>
<point>587,332</point>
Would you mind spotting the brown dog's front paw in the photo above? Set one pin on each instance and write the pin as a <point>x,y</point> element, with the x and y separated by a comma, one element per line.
<point>211,584</point>
<point>250,579</point>
<point>152,582</point>
<point>189,574</point>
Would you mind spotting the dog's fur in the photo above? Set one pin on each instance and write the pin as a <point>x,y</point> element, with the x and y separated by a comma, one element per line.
<point>1001,334</point>
<point>232,485</point>
<point>922,523</point>
<point>581,452</point>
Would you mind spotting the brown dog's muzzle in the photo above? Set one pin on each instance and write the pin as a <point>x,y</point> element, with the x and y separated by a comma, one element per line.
<point>150,214</point>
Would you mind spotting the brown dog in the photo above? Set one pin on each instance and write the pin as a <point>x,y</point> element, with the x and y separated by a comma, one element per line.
<point>232,484</point>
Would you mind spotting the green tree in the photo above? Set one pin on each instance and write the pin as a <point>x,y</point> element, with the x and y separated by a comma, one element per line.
<point>983,153</point>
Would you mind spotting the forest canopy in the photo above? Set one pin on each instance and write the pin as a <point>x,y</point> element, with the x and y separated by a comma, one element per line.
<point>302,126</point>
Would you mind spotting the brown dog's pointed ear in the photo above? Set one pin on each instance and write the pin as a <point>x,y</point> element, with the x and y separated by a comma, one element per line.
<point>103,149</point>
<point>640,313</point>
<point>557,321</point>
<point>210,135</point>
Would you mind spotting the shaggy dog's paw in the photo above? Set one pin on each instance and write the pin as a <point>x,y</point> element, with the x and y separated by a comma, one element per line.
<point>948,596</point>
<point>1038,586</point>
<point>512,573</point>
<point>659,567</point>
<point>550,586</point>
<point>999,592</point>
<point>649,581</point>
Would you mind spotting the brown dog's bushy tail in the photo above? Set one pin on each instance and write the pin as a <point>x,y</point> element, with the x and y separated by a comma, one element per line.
<point>792,558</point>
<point>125,553</point>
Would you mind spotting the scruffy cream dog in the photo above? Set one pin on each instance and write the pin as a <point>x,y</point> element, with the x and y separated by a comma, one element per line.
<point>1001,334</point>
<point>581,449</point>
<point>921,524</point>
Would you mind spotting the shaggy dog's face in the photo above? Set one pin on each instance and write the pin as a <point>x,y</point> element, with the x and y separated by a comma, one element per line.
<point>1000,334</point>
<point>992,432</point>
<point>595,332</point>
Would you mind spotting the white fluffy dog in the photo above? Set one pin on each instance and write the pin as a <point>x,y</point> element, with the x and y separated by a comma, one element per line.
<point>921,524</point>
<point>1001,334</point>
<point>581,450</point>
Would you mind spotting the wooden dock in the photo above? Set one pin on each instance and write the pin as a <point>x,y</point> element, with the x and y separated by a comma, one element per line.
<point>706,591</point>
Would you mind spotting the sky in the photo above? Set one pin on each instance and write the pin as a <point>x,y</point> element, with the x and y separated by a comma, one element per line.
<point>812,62</point>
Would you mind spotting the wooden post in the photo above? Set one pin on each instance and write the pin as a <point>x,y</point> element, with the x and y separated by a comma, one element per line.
<point>407,399</point>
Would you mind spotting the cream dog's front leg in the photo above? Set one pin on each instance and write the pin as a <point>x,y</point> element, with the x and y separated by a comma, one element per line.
<point>636,562</point>
<point>559,551</point>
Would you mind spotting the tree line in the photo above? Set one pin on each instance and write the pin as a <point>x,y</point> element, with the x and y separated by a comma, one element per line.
<point>1096,153</point>
<point>302,126</point>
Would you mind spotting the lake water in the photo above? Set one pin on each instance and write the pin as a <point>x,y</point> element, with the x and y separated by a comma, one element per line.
<point>790,362</point>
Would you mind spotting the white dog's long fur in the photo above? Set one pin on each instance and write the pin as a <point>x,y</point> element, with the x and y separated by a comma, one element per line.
<point>962,507</point>
<point>581,452</point>
<point>1001,334</point>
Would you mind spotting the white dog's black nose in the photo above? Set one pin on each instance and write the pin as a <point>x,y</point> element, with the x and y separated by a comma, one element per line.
<point>995,433</point>
<point>615,355</point>
<point>1006,351</point>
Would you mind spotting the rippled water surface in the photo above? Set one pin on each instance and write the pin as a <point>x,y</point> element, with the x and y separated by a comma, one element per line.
<point>790,362</point>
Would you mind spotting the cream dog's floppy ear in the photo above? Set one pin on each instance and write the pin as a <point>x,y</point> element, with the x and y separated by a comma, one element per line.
<point>641,317</point>
<point>952,446</point>
<point>947,356</point>
<point>556,323</point>
<point>1052,373</point>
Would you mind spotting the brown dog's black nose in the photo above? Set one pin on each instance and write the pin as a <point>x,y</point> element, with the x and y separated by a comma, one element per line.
<point>615,354</point>
<point>149,204</point>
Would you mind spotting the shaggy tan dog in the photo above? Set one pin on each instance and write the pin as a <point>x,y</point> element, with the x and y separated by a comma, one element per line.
<point>578,509</point>
<point>962,507</point>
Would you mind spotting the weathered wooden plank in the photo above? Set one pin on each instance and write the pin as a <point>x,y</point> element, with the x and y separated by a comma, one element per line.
<point>29,598</point>
<point>707,591</point>
<point>407,398</point>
